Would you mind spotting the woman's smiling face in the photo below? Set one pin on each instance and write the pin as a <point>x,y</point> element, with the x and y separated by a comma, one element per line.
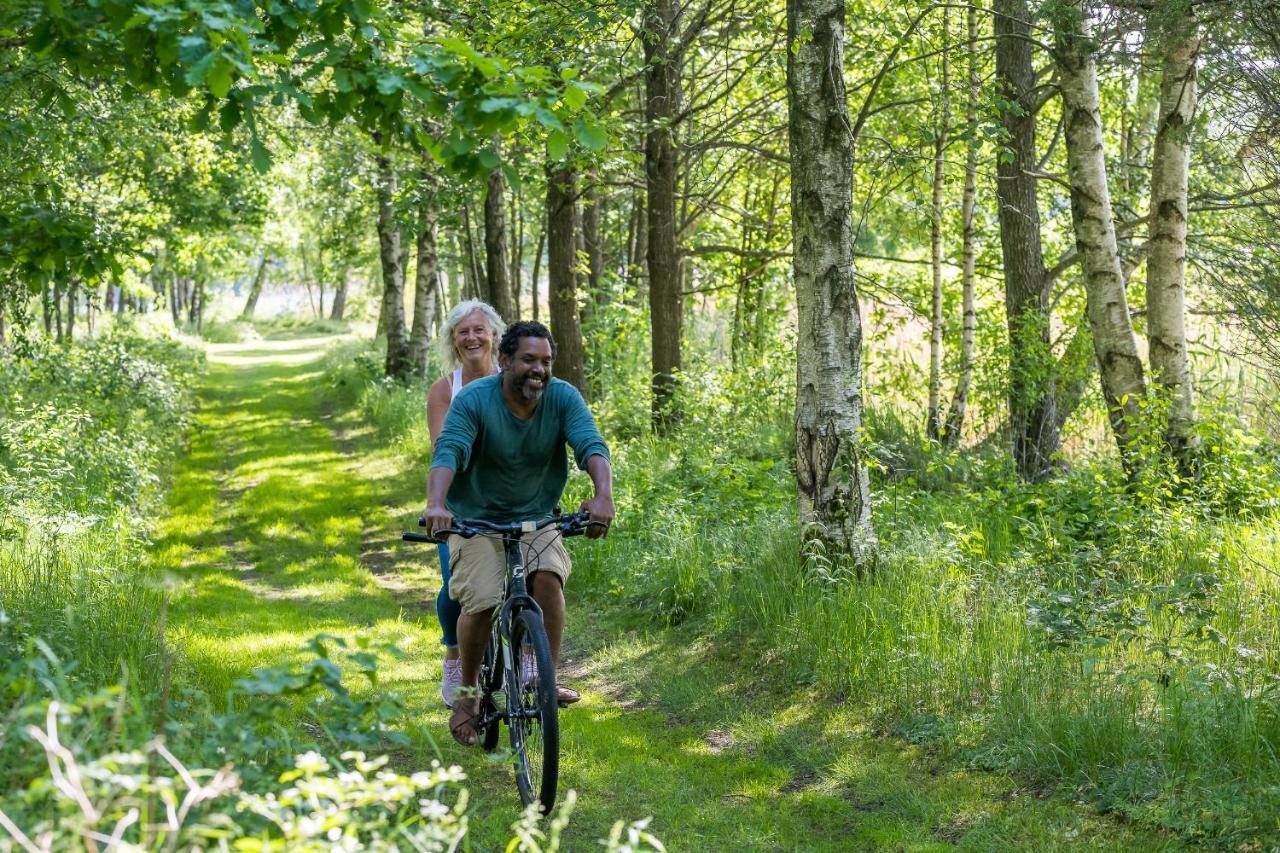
<point>473,339</point>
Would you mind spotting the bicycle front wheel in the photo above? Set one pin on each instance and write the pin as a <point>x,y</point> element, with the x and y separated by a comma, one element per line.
<point>534,712</point>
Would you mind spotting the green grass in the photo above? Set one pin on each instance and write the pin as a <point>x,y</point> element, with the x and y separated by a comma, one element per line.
<point>283,522</point>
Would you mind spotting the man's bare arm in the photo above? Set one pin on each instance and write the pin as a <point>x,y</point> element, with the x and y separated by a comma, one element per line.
<point>601,505</point>
<point>437,514</point>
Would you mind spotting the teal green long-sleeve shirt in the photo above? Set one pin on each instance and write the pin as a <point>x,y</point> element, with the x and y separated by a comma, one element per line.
<point>509,469</point>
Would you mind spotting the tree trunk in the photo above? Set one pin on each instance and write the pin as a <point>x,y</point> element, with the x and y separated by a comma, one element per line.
<point>175,302</point>
<point>196,315</point>
<point>478,287</point>
<point>563,281</point>
<point>834,488</point>
<point>535,285</point>
<point>515,215</point>
<point>1119,364</point>
<point>73,296</point>
<point>592,242</point>
<point>662,96</point>
<point>1032,421</point>
<point>960,400</point>
<point>426,288</point>
<point>339,306</point>
<point>255,290</point>
<point>495,248</point>
<point>391,316</point>
<point>1166,263</point>
<point>933,422</point>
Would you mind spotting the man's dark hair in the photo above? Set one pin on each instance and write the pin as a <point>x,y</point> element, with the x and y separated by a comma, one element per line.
<point>524,329</point>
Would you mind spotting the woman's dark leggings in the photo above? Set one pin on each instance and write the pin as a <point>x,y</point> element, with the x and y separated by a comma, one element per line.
<point>447,610</point>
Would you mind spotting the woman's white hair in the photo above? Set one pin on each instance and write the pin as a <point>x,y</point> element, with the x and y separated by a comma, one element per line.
<point>460,312</point>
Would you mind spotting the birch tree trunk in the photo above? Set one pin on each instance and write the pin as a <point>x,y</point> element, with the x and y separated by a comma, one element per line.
<point>960,400</point>
<point>561,242</point>
<point>391,316</point>
<point>1166,262</point>
<point>834,489</point>
<point>1114,342</point>
<point>425,293</point>
<point>1032,419</point>
<point>933,423</point>
<point>495,248</point>
<point>662,95</point>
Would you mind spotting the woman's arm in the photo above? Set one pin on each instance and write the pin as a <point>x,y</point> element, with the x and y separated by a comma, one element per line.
<point>438,400</point>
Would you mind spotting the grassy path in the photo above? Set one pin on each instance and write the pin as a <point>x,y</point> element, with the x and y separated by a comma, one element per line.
<point>284,522</point>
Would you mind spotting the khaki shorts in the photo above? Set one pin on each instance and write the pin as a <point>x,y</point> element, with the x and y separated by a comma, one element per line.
<point>478,566</point>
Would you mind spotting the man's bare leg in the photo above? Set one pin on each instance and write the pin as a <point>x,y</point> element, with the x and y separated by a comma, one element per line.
<point>473,633</point>
<point>549,594</point>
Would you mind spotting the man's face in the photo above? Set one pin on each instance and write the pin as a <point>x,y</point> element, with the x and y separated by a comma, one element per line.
<point>529,370</point>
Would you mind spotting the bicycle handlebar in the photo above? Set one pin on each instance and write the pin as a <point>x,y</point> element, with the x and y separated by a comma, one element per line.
<point>569,524</point>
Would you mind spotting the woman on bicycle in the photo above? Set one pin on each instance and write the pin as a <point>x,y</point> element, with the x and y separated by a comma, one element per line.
<point>469,346</point>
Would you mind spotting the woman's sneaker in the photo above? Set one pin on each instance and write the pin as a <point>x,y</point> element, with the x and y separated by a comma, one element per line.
<point>528,668</point>
<point>452,681</point>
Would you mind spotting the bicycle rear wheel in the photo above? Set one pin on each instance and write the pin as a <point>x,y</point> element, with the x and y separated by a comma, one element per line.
<point>491,697</point>
<point>534,716</point>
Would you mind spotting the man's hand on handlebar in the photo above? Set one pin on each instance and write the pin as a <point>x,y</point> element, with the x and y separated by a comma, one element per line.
<point>601,511</point>
<point>437,518</point>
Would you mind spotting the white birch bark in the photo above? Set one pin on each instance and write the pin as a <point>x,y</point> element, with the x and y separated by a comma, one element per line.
<point>831,472</point>
<point>933,424</point>
<point>1166,261</point>
<point>1119,365</point>
<point>968,250</point>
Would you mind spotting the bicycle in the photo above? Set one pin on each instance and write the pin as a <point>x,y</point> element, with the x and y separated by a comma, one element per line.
<point>529,707</point>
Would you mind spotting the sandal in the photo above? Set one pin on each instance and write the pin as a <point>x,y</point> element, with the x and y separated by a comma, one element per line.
<point>462,725</point>
<point>567,695</point>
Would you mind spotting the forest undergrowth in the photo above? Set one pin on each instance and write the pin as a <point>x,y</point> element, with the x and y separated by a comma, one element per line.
<point>1107,636</point>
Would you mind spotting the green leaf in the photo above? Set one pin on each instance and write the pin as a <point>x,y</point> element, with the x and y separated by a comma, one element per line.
<point>590,135</point>
<point>489,159</point>
<point>389,84</point>
<point>557,145</point>
<point>493,105</point>
<point>199,71</point>
<point>342,79</point>
<point>261,156</point>
<point>574,98</point>
<point>220,78</point>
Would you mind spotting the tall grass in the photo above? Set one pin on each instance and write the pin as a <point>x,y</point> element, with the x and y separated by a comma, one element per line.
<point>86,433</point>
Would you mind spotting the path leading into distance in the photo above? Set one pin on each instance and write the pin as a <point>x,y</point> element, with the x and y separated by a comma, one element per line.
<point>284,522</point>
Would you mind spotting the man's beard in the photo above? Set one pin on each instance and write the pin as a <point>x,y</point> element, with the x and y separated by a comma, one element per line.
<point>530,394</point>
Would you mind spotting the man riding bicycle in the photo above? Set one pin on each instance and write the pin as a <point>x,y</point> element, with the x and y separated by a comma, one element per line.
<point>500,457</point>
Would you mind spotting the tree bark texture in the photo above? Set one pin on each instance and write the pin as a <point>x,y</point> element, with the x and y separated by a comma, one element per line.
<point>475,284</point>
<point>933,421</point>
<point>561,243</point>
<point>1114,342</point>
<point>495,248</point>
<point>1166,261</point>
<point>73,297</point>
<point>1032,421</point>
<point>968,250</point>
<point>255,290</point>
<point>391,316</point>
<point>593,244</point>
<point>535,284</point>
<point>339,306</point>
<point>831,471</point>
<point>662,96</point>
<point>425,294</point>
